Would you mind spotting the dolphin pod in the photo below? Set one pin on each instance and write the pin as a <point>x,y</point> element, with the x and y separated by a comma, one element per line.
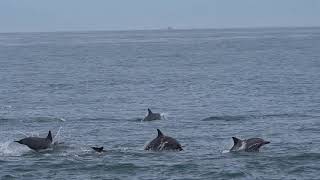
<point>160,143</point>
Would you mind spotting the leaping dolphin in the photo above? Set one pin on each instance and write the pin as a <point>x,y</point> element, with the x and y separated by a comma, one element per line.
<point>248,145</point>
<point>162,142</point>
<point>37,143</point>
<point>152,116</point>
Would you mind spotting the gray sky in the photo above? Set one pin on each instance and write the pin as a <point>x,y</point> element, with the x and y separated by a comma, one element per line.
<point>69,15</point>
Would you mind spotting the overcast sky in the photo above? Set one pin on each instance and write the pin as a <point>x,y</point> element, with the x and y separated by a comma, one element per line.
<point>70,15</point>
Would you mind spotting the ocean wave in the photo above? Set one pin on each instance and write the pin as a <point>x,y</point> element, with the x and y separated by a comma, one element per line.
<point>256,116</point>
<point>33,119</point>
<point>47,119</point>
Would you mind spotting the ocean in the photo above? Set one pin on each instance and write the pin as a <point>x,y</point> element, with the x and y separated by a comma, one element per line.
<point>94,89</point>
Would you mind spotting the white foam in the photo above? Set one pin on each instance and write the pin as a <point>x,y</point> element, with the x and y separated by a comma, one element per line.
<point>6,149</point>
<point>225,151</point>
<point>62,119</point>
<point>164,115</point>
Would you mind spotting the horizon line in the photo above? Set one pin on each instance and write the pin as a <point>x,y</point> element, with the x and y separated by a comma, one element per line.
<point>169,28</point>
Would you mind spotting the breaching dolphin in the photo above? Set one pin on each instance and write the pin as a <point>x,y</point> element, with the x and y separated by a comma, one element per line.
<point>152,116</point>
<point>98,149</point>
<point>37,143</point>
<point>248,145</point>
<point>162,142</point>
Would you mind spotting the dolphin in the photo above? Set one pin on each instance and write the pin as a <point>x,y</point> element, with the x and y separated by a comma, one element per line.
<point>162,142</point>
<point>152,116</point>
<point>248,145</point>
<point>98,149</point>
<point>37,143</point>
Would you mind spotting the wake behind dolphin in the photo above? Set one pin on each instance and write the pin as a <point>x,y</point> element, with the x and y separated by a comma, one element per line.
<point>248,145</point>
<point>162,142</point>
<point>37,143</point>
<point>152,116</point>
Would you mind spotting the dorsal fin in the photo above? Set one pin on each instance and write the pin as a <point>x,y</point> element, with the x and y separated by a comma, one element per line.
<point>98,149</point>
<point>159,133</point>
<point>149,111</point>
<point>49,137</point>
<point>236,140</point>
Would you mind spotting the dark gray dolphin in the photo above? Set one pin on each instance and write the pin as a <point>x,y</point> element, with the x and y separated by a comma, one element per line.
<point>98,149</point>
<point>248,145</point>
<point>37,143</point>
<point>152,116</point>
<point>162,142</point>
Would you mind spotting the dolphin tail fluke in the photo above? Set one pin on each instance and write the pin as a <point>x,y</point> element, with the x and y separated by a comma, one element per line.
<point>159,133</point>
<point>236,140</point>
<point>49,137</point>
<point>149,111</point>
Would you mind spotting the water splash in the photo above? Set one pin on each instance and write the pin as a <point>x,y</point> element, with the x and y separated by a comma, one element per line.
<point>7,149</point>
<point>225,151</point>
<point>164,116</point>
<point>23,133</point>
<point>56,138</point>
<point>4,147</point>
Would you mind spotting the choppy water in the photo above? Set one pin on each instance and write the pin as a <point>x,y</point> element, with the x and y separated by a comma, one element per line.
<point>210,85</point>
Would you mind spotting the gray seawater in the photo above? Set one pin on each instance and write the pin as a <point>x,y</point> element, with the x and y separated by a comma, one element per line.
<point>209,84</point>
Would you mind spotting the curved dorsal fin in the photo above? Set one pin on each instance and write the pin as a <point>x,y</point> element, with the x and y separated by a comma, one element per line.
<point>49,137</point>
<point>159,133</point>
<point>149,111</point>
<point>236,140</point>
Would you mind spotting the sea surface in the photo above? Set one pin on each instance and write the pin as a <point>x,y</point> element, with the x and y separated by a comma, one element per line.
<point>94,88</point>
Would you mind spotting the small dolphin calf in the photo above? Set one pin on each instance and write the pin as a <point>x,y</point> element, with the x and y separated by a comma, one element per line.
<point>248,145</point>
<point>37,143</point>
<point>152,116</point>
<point>162,142</point>
<point>98,149</point>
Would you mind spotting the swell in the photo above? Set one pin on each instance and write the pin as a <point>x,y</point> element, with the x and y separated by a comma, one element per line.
<point>32,119</point>
<point>257,116</point>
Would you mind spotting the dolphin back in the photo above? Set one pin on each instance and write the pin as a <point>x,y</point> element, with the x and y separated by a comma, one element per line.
<point>36,143</point>
<point>152,116</point>
<point>162,142</point>
<point>249,145</point>
<point>98,149</point>
<point>254,144</point>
